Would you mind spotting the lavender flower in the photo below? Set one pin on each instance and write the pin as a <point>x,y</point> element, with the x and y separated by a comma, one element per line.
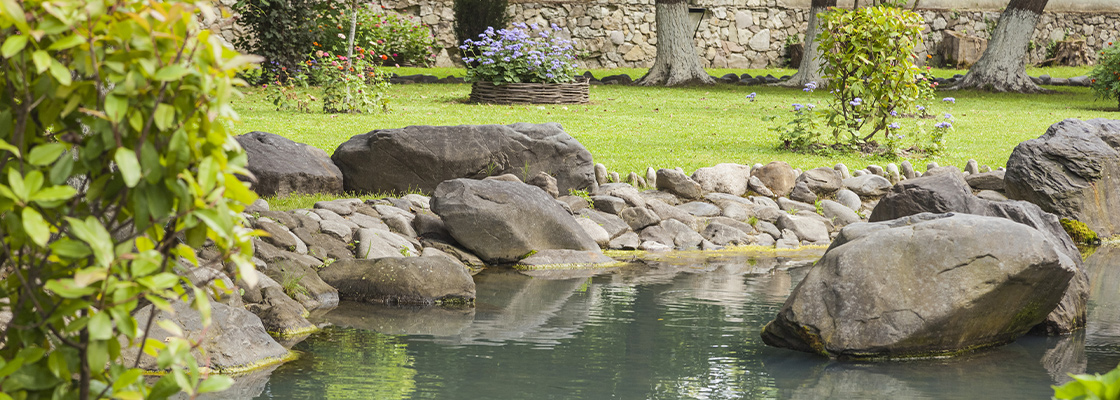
<point>752,96</point>
<point>856,102</point>
<point>943,125</point>
<point>920,108</point>
<point>809,87</point>
<point>894,113</point>
<point>797,107</point>
<point>949,100</point>
<point>894,125</point>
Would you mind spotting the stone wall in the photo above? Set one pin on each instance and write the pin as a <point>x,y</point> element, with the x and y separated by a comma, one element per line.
<point>733,33</point>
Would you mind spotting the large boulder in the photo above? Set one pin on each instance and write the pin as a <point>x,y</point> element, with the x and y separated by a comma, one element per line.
<point>235,341</point>
<point>401,280</point>
<point>921,286</point>
<point>504,221</point>
<point>1073,170</point>
<point>777,176</point>
<point>727,178</point>
<point>949,192</point>
<point>420,157</point>
<point>282,166</point>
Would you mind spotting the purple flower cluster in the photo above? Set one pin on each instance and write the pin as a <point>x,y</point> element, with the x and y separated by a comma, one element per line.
<point>524,53</point>
<point>944,125</point>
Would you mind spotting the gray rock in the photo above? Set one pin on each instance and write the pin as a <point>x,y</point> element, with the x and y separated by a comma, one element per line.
<point>769,229</point>
<point>503,221</point>
<point>626,241</point>
<point>504,178</point>
<point>757,186</point>
<point>986,180</point>
<point>282,166</point>
<point>769,214</point>
<point>613,224</point>
<point>839,214</point>
<point>420,157</point>
<point>400,223</point>
<point>320,245</point>
<point>600,173</point>
<point>821,181</point>
<point>464,256</point>
<point>279,236</point>
<point>727,178</point>
<point>788,240</point>
<point>575,203</point>
<point>366,221</point>
<point>679,184</point>
<point>654,247</point>
<point>546,182</point>
<point>735,210</point>
<point>765,240</point>
<point>843,170</point>
<point>724,235</point>
<point>608,204</point>
<point>787,205</point>
<point>764,201</point>
<point>991,195</point>
<point>614,177</point>
<point>777,176</point>
<point>876,170</point>
<point>802,193</point>
<point>428,225</point>
<point>948,169</point>
<point>315,293</point>
<point>374,244</point>
<point>908,170</point>
<point>401,280</point>
<point>700,209</point>
<point>556,257</point>
<point>664,197</point>
<point>657,234</point>
<point>1073,171</point>
<point>325,214</point>
<point>257,206</point>
<point>849,199</point>
<point>340,206</point>
<point>639,218</point>
<point>418,201</point>
<point>684,237</point>
<point>594,231</point>
<point>235,340</point>
<point>337,229</point>
<point>740,225</point>
<point>892,290</point>
<point>665,211</point>
<point>868,185</point>
<point>806,228</point>
<point>972,167</point>
<point>651,176</point>
<point>631,196</point>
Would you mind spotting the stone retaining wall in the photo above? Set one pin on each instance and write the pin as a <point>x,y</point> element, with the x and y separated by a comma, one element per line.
<point>733,34</point>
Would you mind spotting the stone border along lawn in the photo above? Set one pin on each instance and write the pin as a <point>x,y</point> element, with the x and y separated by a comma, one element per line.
<point>631,128</point>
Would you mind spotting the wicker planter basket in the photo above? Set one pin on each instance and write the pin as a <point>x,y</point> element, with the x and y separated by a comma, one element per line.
<point>533,93</point>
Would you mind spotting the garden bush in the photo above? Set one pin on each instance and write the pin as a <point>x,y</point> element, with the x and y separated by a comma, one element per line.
<point>1105,78</point>
<point>867,61</point>
<point>280,31</point>
<point>391,37</point>
<point>116,163</point>
<point>473,17</point>
<point>524,53</point>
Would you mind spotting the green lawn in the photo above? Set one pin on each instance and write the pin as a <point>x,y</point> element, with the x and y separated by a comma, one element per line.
<point>629,128</point>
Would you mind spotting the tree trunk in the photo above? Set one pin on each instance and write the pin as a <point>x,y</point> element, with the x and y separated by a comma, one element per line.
<point>810,68</point>
<point>677,62</point>
<point>1003,67</point>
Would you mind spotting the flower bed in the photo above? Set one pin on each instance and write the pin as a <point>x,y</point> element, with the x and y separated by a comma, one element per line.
<point>533,93</point>
<point>523,64</point>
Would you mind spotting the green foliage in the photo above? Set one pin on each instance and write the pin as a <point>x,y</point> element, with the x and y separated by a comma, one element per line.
<point>583,194</point>
<point>1079,232</point>
<point>280,31</point>
<point>116,163</point>
<point>293,285</point>
<point>1090,387</point>
<point>1105,78</point>
<point>394,38</point>
<point>867,57</point>
<point>352,86</point>
<point>473,17</point>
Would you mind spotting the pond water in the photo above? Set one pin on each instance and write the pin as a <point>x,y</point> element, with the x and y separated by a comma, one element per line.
<point>686,327</point>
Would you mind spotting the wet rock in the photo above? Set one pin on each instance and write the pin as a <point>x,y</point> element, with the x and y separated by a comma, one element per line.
<point>921,286</point>
<point>401,280</point>
<point>626,241</point>
<point>806,228</point>
<point>594,231</point>
<point>724,235</point>
<point>281,315</point>
<point>420,157</point>
<point>777,176</point>
<point>503,221</point>
<point>1073,170</point>
<point>723,178</point>
<point>679,184</point>
<point>282,166</point>
<point>555,257</point>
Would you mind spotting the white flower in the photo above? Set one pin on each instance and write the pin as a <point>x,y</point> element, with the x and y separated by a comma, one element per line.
<point>341,36</point>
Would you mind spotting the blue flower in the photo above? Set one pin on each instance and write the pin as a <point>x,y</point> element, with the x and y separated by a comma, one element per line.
<point>894,113</point>
<point>856,102</point>
<point>943,125</point>
<point>949,116</point>
<point>893,125</point>
<point>751,96</point>
<point>920,108</point>
<point>950,100</point>
<point>797,107</point>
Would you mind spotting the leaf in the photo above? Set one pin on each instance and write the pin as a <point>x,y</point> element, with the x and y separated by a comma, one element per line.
<point>45,153</point>
<point>92,232</point>
<point>36,227</point>
<point>60,73</point>
<point>5,146</point>
<point>42,60</point>
<point>170,73</point>
<point>15,182</point>
<point>115,107</point>
<point>11,9</point>
<point>70,248</point>
<point>165,116</point>
<point>100,326</point>
<point>215,383</point>
<point>66,42</point>
<point>13,45</point>
<point>54,193</point>
<point>128,165</point>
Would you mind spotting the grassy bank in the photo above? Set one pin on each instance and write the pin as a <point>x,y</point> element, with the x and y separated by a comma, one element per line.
<point>629,128</point>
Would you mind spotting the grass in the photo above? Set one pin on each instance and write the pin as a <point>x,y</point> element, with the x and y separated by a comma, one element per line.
<point>630,128</point>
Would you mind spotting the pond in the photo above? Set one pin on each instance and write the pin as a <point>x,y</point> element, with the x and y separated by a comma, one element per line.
<point>683,327</point>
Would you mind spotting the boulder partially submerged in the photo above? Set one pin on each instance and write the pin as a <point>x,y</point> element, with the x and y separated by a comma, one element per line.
<point>922,286</point>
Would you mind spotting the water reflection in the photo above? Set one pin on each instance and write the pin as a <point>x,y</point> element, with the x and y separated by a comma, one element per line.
<point>684,326</point>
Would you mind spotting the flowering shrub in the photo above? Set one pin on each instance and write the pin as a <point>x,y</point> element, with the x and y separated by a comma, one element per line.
<point>388,36</point>
<point>523,53</point>
<point>356,86</point>
<point>1105,79</point>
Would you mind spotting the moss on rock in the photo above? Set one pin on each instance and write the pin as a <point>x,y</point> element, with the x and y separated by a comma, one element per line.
<point>1079,232</point>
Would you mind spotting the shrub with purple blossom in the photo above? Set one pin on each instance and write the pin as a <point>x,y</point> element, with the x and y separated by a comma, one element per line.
<point>522,54</point>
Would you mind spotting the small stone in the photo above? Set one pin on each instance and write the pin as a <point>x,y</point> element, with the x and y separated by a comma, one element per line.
<point>788,240</point>
<point>700,209</point>
<point>632,179</point>
<point>546,182</point>
<point>654,247</point>
<point>802,193</point>
<point>596,232</point>
<point>341,206</point>
<point>757,186</point>
<point>839,214</point>
<point>931,165</point>
<point>601,173</point>
<point>337,229</point>
<point>843,170</point>
<point>638,218</point>
<point>613,176</point>
<point>971,167</point>
<point>769,229</point>
<point>651,176</point>
<point>875,169</point>
<point>626,241</point>
<point>676,182</point>
<point>908,170</point>
<point>608,204</point>
<point>788,205</point>
<point>868,185</point>
<point>849,199</point>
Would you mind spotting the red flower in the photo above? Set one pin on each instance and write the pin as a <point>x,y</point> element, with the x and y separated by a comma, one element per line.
<point>384,57</point>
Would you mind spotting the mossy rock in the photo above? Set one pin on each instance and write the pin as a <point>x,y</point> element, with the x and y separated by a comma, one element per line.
<point>1079,232</point>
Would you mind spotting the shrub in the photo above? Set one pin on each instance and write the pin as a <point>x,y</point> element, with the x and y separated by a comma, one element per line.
<point>352,86</point>
<point>1085,386</point>
<point>280,31</point>
<point>116,162</point>
<point>1105,78</point>
<point>523,53</point>
<point>473,17</point>
<point>401,39</point>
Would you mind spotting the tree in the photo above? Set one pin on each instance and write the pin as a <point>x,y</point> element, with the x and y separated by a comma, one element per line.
<point>809,70</point>
<point>116,162</point>
<point>677,62</point>
<point>1003,67</point>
